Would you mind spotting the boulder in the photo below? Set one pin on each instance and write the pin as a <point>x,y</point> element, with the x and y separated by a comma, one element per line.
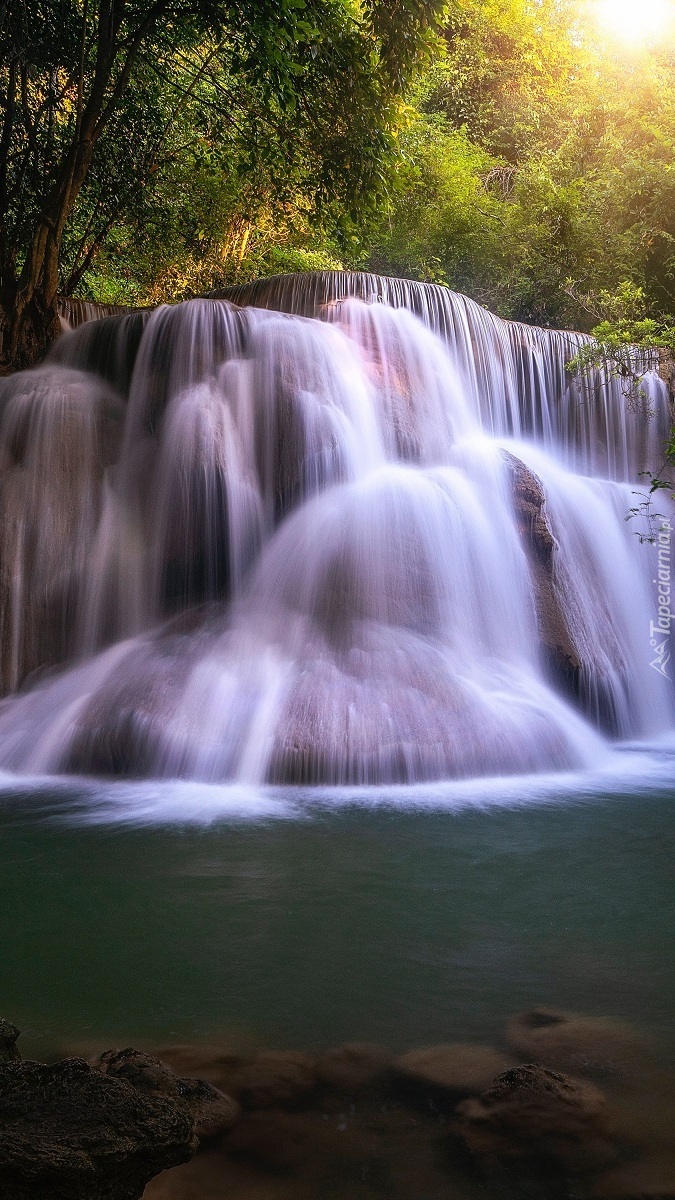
<point>456,1068</point>
<point>68,1132</point>
<point>532,1118</point>
<point>212,1110</point>
<point>571,1042</point>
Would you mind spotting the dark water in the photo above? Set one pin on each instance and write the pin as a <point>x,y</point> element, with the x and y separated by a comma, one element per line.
<point>145,913</point>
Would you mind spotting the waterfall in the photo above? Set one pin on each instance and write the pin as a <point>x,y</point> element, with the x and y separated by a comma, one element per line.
<point>329,528</point>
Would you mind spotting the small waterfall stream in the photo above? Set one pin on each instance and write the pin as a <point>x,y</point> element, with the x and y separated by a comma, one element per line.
<point>328,528</point>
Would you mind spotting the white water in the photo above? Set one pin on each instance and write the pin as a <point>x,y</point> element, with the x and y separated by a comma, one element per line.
<point>297,553</point>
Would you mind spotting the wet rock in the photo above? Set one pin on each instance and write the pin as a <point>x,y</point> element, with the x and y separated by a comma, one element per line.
<point>529,501</point>
<point>298,450</point>
<point>571,1042</point>
<point>70,1133</point>
<point>212,1110</point>
<point>277,1077</point>
<point>532,1118</point>
<point>457,1068</point>
<point>8,1035</point>
<point>220,1065</point>
<point>265,1079</point>
<point>121,730</point>
<point>353,1066</point>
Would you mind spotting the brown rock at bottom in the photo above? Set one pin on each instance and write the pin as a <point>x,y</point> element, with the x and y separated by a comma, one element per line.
<point>570,1042</point>
<point>532,1117</point>
<point>353,1066</point>
<point>218,1064</point>
<point>70,1133</point>
<point>212,1110</point>
<point>458,1068</point>
<point>276,1077</point>
<point>263,1079</point>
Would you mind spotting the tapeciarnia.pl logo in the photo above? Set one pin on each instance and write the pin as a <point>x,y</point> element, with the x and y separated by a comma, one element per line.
<point>659,631</point>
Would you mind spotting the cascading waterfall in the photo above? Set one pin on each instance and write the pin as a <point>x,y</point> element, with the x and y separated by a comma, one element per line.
<point>329,529</point>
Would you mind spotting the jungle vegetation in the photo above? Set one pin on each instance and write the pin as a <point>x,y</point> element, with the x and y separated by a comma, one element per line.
<point>152,150</point>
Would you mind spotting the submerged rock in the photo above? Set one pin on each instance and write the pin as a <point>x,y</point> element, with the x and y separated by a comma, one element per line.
<point>68,1132</point>
<point>261,1079</point>
<point>353,1066</point>
<point>457,1068</point>
<point>571,1042</point>
<point>277,1078</point>
<point>217,1064</point>
<point>213,1111</point>
<point>532,1118</point>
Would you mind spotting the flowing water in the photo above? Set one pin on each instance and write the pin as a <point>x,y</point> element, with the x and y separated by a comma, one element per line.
<point>338,701</point>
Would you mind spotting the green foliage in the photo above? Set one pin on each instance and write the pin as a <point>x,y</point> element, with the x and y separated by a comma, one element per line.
<point>143,140</point>
<point>626,342</point>
<point>501,147</point>
<point>564,148</point>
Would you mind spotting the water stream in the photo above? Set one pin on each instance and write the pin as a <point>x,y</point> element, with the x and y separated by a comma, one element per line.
<point>386,543</point>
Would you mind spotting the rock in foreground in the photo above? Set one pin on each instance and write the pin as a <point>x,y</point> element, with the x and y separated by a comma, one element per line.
<point>213,1112</point>
<point>67,1132</point>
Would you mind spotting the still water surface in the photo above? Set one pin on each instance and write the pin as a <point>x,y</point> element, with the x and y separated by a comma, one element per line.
<point>141,913</point>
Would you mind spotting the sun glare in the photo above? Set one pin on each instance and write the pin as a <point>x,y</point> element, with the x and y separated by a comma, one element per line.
<point>636,20</point>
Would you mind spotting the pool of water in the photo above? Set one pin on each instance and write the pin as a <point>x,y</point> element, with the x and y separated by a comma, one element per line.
<point>151,912</point>
<point>160,914</point>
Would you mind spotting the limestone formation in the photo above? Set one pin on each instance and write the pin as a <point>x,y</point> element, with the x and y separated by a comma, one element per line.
<point>59,429</point>
<point>538,541</point>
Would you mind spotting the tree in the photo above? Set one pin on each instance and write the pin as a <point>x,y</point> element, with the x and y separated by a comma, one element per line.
<point>85,83</point>
<point>536,153</point>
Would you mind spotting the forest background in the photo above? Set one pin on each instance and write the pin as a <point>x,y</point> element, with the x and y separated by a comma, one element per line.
<point>515,150</point>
